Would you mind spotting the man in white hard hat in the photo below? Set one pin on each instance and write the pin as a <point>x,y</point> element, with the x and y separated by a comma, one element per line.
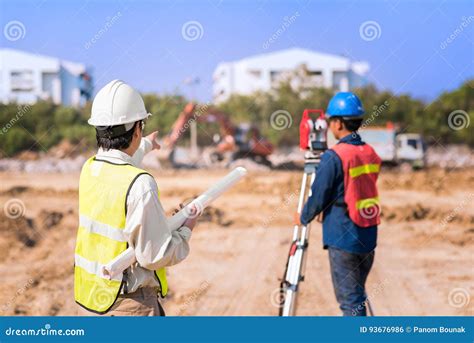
<point>119,207</point>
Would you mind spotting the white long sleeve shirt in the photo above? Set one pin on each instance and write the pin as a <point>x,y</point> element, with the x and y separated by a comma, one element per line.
<point>146,229</point>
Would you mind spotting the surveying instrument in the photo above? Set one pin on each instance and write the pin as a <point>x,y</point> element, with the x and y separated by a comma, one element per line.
<point>313,141</point>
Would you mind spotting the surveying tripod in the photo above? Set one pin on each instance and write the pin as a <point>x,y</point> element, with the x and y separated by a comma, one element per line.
<point>295,265</point>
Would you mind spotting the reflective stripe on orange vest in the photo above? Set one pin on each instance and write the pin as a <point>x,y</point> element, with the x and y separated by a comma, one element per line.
<point>366,203</point>
<point>364,169</point>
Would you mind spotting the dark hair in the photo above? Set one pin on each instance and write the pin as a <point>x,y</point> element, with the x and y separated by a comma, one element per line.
<point>106,141</point>
<point>350,124</point>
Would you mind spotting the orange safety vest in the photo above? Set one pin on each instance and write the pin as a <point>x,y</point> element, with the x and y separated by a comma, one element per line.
<point>361,167</point>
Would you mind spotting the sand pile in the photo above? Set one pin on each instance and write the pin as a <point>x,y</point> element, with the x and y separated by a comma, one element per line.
<point>18,231</point>
<point>417,212</point>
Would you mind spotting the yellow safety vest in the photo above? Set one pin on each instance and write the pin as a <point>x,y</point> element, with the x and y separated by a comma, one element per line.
<point>103,191</point>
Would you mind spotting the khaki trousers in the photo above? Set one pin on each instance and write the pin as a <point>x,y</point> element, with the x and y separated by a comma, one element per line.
<point>142,302</point>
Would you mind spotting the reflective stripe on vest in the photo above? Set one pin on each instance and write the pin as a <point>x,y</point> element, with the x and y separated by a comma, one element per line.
<point>361,166</point>
<point>101,229</point>
<point>92,267</point>
<point>364,169</point>
<point>367,203</point>
<point>103,191</point>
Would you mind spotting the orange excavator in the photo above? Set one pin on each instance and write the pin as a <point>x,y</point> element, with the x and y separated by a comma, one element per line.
<point>236,141</point>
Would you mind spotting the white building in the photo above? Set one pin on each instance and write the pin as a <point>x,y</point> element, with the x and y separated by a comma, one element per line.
<point>265,71</point>
<point>26,78</point>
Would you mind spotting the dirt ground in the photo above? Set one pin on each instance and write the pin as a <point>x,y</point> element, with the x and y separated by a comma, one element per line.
<point>423,265</point>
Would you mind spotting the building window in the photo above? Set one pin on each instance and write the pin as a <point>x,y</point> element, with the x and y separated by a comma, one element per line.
<point>85,85</point>
<point>315,78</point>
<point>47,81</point>
<point>22,80</point>
<point>340,81</point>
<point>275,76</point>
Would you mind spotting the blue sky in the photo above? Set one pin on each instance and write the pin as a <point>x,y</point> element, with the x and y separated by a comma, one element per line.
<point>144,45</point>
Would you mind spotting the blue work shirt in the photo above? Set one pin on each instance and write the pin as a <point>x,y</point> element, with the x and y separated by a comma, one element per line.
<point>339,231</point>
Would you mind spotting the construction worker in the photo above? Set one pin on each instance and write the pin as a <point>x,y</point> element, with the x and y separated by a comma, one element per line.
<point>345,192</point>
<point>119,207</point>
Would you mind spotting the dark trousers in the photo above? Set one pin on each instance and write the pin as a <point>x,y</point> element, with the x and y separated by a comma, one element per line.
<point>349,272</point>
<point>142,302</point>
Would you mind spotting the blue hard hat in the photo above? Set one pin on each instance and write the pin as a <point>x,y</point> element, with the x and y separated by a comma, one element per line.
<point>345,104</point>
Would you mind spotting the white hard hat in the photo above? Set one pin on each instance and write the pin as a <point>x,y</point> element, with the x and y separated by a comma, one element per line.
<point>116,104</point>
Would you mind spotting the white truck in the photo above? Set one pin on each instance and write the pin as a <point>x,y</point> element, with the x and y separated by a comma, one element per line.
<point>404,149</point>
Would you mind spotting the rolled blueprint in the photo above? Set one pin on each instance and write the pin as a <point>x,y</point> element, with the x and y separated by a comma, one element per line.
<point>127,258</point>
